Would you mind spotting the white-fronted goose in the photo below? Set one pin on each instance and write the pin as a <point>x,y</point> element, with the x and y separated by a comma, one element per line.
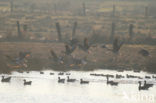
<point>61,80</point>
<point>5,79</point>
<point>27,82</point>
<point>70,80</point>
<point>83,82</point>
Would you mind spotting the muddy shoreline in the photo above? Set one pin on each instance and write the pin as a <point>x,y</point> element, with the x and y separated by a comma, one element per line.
<point>127,59</point>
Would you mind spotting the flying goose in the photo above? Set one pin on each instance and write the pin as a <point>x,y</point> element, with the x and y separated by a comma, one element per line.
<point>85,47</point>
<point>116,45</point>
<point>69,50</point>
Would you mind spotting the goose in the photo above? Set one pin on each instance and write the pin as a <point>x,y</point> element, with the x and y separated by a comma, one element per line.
<point>85,45</point>
<point>68,73</point>
<point>61,73</point>
<point>5,79</point>
<point>108,82</point>
<point>127,76</point>
<point>136,71</point>
<point>70,80</point>
<point>55,57</point>
<point>144,52</point>
<point>153,76</point>
<point>117,45</point>
<point>41,72</point>
<point>83,82</point>
<point>147,84</point>
<point>92,74</point>
<point>20,60</point>
<point>61,80</point>
<point>111,82</point>
<point>142,87</point>
<point>69,50</point>
<point>131,76</point>
<point>147,77</point>
<point>97,74</point>
<point>103,75</point>
<point>140,77</point>
<point>73,42</point>
<point>23,55</point>
<point>27,82</point>
<point>109,75</point>
<point>114,83</point>
<point>119,76</point>
<point>51,73</point>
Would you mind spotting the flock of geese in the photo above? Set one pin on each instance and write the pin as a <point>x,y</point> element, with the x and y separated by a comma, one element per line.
<point>144,86</point>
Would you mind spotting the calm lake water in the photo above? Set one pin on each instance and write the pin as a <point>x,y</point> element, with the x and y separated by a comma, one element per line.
<point>46,89</point>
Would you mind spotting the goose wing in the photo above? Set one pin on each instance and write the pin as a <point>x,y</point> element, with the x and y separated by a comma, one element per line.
<point>54,55</point>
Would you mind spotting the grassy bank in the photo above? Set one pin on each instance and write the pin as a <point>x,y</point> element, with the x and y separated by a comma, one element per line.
<point>128,57</point>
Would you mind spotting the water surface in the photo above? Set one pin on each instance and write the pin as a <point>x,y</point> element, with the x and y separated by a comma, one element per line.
<point>46,89</point>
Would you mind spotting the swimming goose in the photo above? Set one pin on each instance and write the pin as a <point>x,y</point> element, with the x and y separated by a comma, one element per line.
<point>27,82</point>
<point>61,80</point>
<point>41,72</point>
<point>119,76</point>
<point>83,82</point>
<point>92,74</point>
<point>51,73</point>
<point>147,77</point>
<point>131,76</point>
<point>114,83</point>
<point>136,71</point>
<point>147,84</point>
<point>140,77</point>
<point>70,80</point>
<point>109,75</point>
<point>153,76</point>
<point>111,82</point>
<point>68,73</point>
<point>61,73</point>
<point>142,87</point>
<point>5,79</point>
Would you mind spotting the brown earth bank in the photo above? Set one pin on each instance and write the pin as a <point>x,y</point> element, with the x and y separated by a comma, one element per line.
<point>128,57</point>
